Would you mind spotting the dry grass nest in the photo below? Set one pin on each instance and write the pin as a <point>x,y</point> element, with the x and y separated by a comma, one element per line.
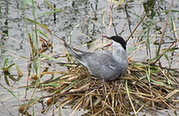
<point>144,86</point>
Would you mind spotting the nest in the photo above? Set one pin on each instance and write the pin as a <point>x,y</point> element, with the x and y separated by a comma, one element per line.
<point>144,86</point>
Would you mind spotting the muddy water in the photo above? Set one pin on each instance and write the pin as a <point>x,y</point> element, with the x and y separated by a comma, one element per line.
<point>90,19</point>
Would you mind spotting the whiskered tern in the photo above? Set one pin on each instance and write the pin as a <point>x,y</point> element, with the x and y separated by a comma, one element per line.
<point>106,65</point>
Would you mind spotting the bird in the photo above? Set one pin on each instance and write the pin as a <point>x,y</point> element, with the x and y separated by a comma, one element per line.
<point>105,65</point>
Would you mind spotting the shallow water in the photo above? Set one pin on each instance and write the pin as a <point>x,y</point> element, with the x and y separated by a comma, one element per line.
<point>90,19</point>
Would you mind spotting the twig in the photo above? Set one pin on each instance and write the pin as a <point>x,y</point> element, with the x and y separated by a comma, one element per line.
<point>176,34</point>
<point>141,20</point>
<point>164,29</point>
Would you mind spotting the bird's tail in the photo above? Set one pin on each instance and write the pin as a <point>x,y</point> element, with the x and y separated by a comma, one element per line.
<point>76,55</point>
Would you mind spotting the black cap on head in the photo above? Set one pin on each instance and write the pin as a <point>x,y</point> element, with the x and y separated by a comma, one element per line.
<point>118,39</point>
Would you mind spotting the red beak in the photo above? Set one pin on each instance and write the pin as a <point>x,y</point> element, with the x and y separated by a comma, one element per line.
<point>109,43</point>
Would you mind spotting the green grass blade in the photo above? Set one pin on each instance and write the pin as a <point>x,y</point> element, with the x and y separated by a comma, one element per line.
<point>132,49</point>
<point>148,73</point>
<point>50,5</point>
<point>8,67</point>
<point>11,92</point>
<point>51,58</point>
<point>51,84</point>
<point>148,39</point>
<point>6,62</point>
<point>35,22</point>
<point>130,100</point>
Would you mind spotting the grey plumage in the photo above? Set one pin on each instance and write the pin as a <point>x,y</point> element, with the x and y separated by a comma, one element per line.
<point>106,65</point>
